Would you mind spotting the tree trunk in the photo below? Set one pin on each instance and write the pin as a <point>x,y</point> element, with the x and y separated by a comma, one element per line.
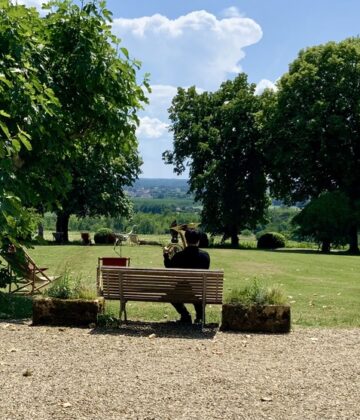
<point>325,247</point>
<point>62,225</point>
<point>41,230</point>
<point>354,242</point>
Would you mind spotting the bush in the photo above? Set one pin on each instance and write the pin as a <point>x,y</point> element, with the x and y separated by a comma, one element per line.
<point>60,288</point>
<point>256,294</point>
<point>271,240</point>
<point>104,236</point>
<point>70,287</point>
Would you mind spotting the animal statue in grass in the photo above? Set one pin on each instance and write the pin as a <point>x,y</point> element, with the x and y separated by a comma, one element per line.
<point>124,237</point>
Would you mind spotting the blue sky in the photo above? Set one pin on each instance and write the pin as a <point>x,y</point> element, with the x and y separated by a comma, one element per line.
<point>204,42</point>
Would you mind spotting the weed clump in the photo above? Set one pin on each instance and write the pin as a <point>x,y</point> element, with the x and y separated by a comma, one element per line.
<point>70,287</point>
<point>255,294</point>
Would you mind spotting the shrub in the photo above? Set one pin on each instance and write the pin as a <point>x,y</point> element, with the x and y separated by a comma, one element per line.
<point>104,236</point>
<point>81,290</point>
<point>69,287</point>
<point>60,288</point>
<point>256,294</point>
<point>5,277</point>
<point>271,240</point>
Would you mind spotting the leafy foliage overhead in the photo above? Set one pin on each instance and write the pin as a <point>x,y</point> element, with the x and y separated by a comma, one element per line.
<point>83,145</point>
<point>25,101</point>
<point>68,114</point>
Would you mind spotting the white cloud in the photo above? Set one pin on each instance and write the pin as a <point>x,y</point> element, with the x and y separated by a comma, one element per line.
<point>151,128</point>
<point>153,133</point>
<point>154,137</point>
<point>195,49</point>
<point>231,12</point>
<point>264,84</point>
<point>159,101</point>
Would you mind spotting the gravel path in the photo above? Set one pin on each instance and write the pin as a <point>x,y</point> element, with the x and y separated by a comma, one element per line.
<point>152,371</point>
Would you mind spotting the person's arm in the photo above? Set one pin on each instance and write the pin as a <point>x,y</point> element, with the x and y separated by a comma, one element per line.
<point>206,259</point>
<point>167,260</point>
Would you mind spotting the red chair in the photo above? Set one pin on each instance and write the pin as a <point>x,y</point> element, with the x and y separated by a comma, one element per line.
<point>114,261</point>
<point>110,262</point>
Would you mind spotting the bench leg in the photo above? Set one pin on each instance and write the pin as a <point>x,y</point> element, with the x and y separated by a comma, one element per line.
<point>203,314</point>
<point>123,310</point>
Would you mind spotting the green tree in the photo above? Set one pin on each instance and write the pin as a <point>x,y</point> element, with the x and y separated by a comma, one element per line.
<point>216,135</point>
<point>311,127</point>
<point>92,149</point>
<point>326,220</point>
<point>98,178</point>
<point>25,100</point>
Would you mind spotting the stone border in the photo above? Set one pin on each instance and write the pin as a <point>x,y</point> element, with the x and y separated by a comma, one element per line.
<point>66,312</point>
<point>256,318</point>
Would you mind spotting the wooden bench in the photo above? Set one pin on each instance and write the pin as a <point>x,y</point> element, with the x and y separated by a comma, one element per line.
<point>160,285</point>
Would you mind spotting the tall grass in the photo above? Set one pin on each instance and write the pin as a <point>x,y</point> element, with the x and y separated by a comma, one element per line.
<point>257,294</point>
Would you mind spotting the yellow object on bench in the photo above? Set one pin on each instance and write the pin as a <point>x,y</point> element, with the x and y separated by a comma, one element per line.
<point>160,285</point>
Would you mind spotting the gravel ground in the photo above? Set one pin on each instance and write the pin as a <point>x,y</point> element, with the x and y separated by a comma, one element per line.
<point>162,371</point>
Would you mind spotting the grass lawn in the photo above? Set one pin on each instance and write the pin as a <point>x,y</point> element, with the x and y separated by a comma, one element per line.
<point>323,290</point>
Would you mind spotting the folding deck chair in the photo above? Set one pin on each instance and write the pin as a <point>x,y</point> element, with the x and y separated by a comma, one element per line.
<point>31,277</point>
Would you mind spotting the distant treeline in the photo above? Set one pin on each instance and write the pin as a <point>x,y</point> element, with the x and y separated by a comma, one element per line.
<point>165,205</point>
<point>155,216</point>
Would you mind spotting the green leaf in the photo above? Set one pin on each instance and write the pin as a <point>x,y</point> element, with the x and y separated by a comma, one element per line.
<point>125,52</point>
<point>5,130</point>
<point>4,114</point>
<point>16,145</point>
<point>24,141</point>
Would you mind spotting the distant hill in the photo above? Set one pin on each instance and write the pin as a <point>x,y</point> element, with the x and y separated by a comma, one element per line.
<point>161,182</point>
<point>159,188</point>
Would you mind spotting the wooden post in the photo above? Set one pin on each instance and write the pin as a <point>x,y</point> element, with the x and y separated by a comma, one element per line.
<point>203,301</point>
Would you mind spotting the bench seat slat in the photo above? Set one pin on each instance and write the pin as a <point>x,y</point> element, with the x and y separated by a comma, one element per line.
<point>145,298</point>
<point>160,287</point>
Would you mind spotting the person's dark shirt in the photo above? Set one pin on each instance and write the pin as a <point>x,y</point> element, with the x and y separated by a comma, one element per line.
<point>190,257</point>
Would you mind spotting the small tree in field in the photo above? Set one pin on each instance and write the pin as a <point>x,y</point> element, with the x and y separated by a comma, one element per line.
<point>326,220</point>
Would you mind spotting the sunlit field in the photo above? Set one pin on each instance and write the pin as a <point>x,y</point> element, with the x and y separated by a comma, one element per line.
<point>323,290</point>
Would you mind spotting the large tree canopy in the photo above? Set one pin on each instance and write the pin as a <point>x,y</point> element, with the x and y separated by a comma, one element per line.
<point>215,134</point>
<point>311,126</point>
<point>25,101</point>
<point>68,114</point>
<point>89,150</point>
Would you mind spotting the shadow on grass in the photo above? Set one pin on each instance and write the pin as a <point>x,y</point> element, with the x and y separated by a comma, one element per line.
<point>310,251</point>
<point>160,330</point>
<point>306,251</point>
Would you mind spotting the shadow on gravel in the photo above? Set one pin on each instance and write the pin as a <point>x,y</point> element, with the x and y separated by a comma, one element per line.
<point>160,330</point>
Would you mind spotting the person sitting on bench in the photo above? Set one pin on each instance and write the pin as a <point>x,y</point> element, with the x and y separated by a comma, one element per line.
<point>190,257</point>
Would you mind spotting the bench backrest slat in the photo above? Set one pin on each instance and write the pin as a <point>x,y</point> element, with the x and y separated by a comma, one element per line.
<point>161,285</point>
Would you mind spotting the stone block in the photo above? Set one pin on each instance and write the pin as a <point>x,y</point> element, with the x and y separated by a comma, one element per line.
<point>66,312</point>
<point>256,318</point>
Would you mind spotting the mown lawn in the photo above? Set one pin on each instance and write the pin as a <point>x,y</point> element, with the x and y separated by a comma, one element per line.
<point>323,290</point>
